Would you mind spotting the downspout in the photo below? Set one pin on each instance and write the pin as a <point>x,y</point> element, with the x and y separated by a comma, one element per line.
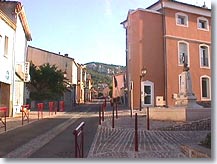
<point>164,51</point>
<point>13,74</point>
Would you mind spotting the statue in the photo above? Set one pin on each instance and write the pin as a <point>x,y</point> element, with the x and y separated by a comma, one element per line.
<point>186,97</point>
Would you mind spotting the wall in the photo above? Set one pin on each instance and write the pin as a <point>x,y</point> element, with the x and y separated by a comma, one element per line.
<point>145,49</point>
<point>40,57</point>
<point>178,114</point>
<point>6,65</point>
<point>194,38</point>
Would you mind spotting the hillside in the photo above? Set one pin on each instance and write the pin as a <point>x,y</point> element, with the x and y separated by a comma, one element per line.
<point>102,73</point>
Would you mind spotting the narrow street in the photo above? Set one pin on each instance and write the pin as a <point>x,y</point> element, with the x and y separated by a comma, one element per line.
<point>51,137</point>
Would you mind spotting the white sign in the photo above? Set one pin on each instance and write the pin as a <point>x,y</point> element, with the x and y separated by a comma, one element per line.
<point>26,68</point>
<point>26,72</point>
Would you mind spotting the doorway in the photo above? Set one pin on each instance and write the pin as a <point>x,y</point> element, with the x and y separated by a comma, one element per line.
<point>147,93</point>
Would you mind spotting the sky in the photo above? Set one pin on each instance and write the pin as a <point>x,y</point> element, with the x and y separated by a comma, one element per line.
<point>86,30</point>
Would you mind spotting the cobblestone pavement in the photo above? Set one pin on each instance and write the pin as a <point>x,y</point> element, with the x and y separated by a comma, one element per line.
<point>118,142</point>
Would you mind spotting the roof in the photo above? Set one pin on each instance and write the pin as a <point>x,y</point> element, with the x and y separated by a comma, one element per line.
<point>58,54</point>
<point>13,8</point>
<point>173,1</point>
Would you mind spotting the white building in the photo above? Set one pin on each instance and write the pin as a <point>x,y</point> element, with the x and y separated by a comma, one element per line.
<point>14,34</point>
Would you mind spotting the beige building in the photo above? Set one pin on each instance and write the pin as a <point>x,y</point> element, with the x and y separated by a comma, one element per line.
<point>158,38</point>
<point>66,64</point>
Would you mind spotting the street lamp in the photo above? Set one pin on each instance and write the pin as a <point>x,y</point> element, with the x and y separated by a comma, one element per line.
<point>143,72</point>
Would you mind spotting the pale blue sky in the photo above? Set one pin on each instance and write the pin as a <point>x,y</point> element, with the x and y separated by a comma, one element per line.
<point>86,30</point>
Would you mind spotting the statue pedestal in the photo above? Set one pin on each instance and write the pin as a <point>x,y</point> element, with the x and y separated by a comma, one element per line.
<point>186,97</point>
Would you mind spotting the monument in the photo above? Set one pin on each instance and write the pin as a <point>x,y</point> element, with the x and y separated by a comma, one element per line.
<point>186,97</point>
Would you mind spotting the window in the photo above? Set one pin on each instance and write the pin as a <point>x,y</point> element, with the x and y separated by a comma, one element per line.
<point>183,56</point>
<point>181,19</point>
<point>205,88</point>
<point>204,56</point>
<point>202,23</point>
<point>6,47</point>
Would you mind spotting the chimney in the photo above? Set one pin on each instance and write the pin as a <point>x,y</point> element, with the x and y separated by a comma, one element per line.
<point>66,55</point>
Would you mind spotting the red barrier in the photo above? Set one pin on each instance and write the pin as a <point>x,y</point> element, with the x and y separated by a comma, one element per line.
<point>3,112</point>
<point>103,112</point>
<point>116,108</point>
<point>51,108</point>
<point>147,118</point>
<point>25,109</point>
<point>136,133</point>
<point>61,106</point>
<point>105,102</point>
<point>40,110</point>
<point>113,116</point>
<point>79,146</point>
<point>100,118</point>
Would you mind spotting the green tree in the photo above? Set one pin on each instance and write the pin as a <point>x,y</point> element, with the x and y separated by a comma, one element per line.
<point>47,82</point>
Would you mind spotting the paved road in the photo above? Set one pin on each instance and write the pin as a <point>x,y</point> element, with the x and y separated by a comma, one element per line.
<point>50,137</point>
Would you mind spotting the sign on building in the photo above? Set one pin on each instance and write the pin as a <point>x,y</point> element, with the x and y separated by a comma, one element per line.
<point>26,72</point>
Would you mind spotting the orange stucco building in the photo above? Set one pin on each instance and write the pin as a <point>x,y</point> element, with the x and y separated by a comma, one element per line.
<point>159,39</point>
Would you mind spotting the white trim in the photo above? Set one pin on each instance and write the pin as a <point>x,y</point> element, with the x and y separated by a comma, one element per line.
<point>187,39</point>
<point>203,19</point>
<point>208,56</point>
<point>145,10</point>
<point>183,7</point>
<point>151,84</point>
<point>182,41</point>
<point>210,94</point>
<point>188,8</point>
<point>185,19</point>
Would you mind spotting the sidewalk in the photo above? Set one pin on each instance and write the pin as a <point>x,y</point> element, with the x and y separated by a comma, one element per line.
<point>118,142</point>
<point>16,121</point>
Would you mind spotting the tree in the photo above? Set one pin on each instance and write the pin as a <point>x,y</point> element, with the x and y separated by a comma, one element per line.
<point>47,82</point>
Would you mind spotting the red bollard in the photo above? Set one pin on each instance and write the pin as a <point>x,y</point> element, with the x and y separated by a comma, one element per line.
<point>116,108</point>
<point>105,102</point>
<point>40,109</point>
<point>25,109</point>
<point>61,106</point>
<point>4,110</point>
<point>51,108</point>
<point>103,108</point>
<point>113,116</point>
<point>136,134</point>
<point>79,147</point>
<point>147,118</point>
<point>99,115</point>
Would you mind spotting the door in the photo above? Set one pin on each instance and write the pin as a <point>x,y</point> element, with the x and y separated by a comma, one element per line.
<point>147,93</point>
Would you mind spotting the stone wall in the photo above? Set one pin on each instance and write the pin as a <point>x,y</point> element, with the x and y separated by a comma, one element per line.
<point>179,114</point>
<point>204,124</point>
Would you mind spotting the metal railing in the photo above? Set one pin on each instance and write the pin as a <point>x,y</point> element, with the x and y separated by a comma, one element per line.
<point>79,142</point>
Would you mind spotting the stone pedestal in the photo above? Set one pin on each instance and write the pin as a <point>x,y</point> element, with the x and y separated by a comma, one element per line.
<point>186,97</point>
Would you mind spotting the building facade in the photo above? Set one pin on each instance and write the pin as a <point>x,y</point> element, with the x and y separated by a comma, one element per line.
<point>65,63</point>
<point>14,35</point>
<point>160,38</point>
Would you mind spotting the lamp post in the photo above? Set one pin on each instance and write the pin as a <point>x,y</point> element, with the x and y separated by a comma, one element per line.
<point>143,72</point>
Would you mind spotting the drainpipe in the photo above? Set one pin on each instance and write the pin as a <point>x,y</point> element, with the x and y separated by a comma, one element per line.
<point>164,49</point>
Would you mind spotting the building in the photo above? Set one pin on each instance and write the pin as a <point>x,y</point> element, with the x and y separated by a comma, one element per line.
<point>82,78</point>
<point>158,38</point>
<point>63,62</point>
<point>14,35</point>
